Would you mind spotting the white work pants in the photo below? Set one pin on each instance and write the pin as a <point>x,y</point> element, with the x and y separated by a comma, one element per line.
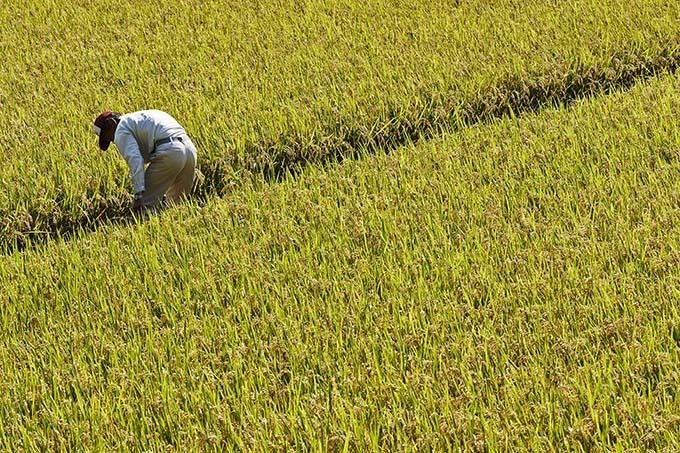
<point>170,173</point>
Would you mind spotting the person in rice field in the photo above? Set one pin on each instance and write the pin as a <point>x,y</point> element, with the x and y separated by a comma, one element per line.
<point>156,140</point>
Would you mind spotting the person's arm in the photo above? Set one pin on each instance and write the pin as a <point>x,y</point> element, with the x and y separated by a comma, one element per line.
<point>129,149</point>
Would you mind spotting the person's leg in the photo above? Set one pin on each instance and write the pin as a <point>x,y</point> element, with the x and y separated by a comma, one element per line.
<point>160,174</point>
<point>181,186</point>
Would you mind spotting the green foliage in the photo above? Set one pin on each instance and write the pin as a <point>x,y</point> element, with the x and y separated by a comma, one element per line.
<point>510,286</point>
<point>266,87</point>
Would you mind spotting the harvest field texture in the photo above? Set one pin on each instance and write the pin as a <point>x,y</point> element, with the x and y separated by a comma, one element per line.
<point>265,86</point>
<point>434,226</point>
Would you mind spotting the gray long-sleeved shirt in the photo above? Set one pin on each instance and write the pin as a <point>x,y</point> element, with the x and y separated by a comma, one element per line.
<point>135,137</point>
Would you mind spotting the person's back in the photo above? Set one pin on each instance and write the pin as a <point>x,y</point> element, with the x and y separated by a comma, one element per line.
<point>156,138</point>
<point>147,127</point>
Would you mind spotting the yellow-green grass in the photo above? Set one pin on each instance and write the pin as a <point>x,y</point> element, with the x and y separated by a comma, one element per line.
<point>262,86</point>
<point>513,285</point>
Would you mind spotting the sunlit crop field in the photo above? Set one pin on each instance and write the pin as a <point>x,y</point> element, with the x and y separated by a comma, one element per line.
<point>432,226</point>
<point>264,86</point>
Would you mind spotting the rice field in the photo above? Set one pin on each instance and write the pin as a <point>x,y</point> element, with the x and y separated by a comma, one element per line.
<point>264,87</point>
<point>447,226</point>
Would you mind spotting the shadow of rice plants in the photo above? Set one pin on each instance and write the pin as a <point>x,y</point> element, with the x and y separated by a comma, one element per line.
<point>275,160</point>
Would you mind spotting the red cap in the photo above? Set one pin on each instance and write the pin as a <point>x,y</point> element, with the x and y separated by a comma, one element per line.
<point>98,126</point>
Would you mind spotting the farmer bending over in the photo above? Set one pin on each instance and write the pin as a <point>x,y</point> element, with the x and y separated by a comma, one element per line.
<point>156,138</point>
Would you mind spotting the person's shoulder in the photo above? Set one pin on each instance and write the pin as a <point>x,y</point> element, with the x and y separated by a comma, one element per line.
<point>123,122</point>
<point>152,115</point>
<point>132,116</point>
<point>126,125</point>
<point>136,119</point>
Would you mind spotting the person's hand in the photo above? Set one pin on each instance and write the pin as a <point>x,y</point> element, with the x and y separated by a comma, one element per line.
<point>137,203</point>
